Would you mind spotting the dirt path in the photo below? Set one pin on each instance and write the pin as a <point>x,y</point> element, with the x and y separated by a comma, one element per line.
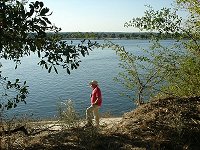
<point>57,126</point>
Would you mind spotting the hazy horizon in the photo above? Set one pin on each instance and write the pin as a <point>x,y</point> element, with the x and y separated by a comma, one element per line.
<point>99,16</point>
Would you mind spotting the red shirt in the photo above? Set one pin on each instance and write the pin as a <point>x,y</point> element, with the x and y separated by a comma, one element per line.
<point>96,93</point>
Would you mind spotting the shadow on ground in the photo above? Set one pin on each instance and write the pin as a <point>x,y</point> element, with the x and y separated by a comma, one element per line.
<point>87,139</point>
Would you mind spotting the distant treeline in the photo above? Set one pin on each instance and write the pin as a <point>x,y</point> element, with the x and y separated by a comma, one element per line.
<point>116,35</point>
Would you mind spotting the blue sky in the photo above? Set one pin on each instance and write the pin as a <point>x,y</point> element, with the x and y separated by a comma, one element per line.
<point>99,15</point>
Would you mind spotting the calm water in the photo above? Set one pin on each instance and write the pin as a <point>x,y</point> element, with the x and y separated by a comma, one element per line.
<point>47,90</point>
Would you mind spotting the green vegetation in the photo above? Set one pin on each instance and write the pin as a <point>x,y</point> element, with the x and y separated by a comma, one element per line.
<point>24,32</point>
<point>163,71</point>
<point>172,72</point>
<point>114,35</point>
<point>67,114</point>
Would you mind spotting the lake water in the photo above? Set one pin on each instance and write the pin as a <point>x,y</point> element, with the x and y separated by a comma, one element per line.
<point>48,90</point>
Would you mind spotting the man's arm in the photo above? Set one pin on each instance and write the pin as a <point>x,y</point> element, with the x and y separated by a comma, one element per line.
<point>96,102</point>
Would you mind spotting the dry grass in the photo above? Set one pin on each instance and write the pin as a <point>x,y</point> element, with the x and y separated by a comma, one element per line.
<point>170,123</point>
<point>52,135</point>
<point>167,124</point>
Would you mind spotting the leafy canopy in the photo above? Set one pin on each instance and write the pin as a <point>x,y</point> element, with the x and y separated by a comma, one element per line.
<point>171,70</point>
<point>24,31</point>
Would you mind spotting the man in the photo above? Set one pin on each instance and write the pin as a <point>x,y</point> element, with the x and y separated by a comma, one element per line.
<point>96,101</point>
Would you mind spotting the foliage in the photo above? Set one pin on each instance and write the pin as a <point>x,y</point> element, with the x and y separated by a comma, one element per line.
<point>23,31</point>
<point>144,75</point>
<point>185,81</point>
<point>10,89</point>
<point>191,5</point>
<point>110,35</point>
<point>136,76</point>
<point>192,24</point>
<point>173,70</point>
<point>67,114</point>
<point>161,21</point>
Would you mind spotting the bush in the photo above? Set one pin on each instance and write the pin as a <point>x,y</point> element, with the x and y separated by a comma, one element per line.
<point>67,114</point>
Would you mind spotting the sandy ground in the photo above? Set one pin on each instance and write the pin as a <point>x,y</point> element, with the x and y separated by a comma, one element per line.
<point>55,125</point>
<point>109,122</point>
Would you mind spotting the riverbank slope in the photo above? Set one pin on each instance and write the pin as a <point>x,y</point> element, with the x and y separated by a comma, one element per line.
<point>167,123</point>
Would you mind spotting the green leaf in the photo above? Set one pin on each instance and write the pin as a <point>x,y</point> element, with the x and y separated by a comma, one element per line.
<point>42,62</point>
<point>68,71</point>
<point>39,54</point>
<point>83,53</point>
<point>55,70</point>
<point>29,14</point>
<point>41,4</point>
<point>44,11</point>
<point>17,80</point>
<point>49,69</point>
<point>42,22</point>
<point>15,105</point>
<point>46,19</point>
<point>9,83</point>
<point>46,66</point>
<point>23,96</point>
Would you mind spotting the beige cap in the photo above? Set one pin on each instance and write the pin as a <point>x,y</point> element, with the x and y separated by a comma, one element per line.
<point>94,82</point>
